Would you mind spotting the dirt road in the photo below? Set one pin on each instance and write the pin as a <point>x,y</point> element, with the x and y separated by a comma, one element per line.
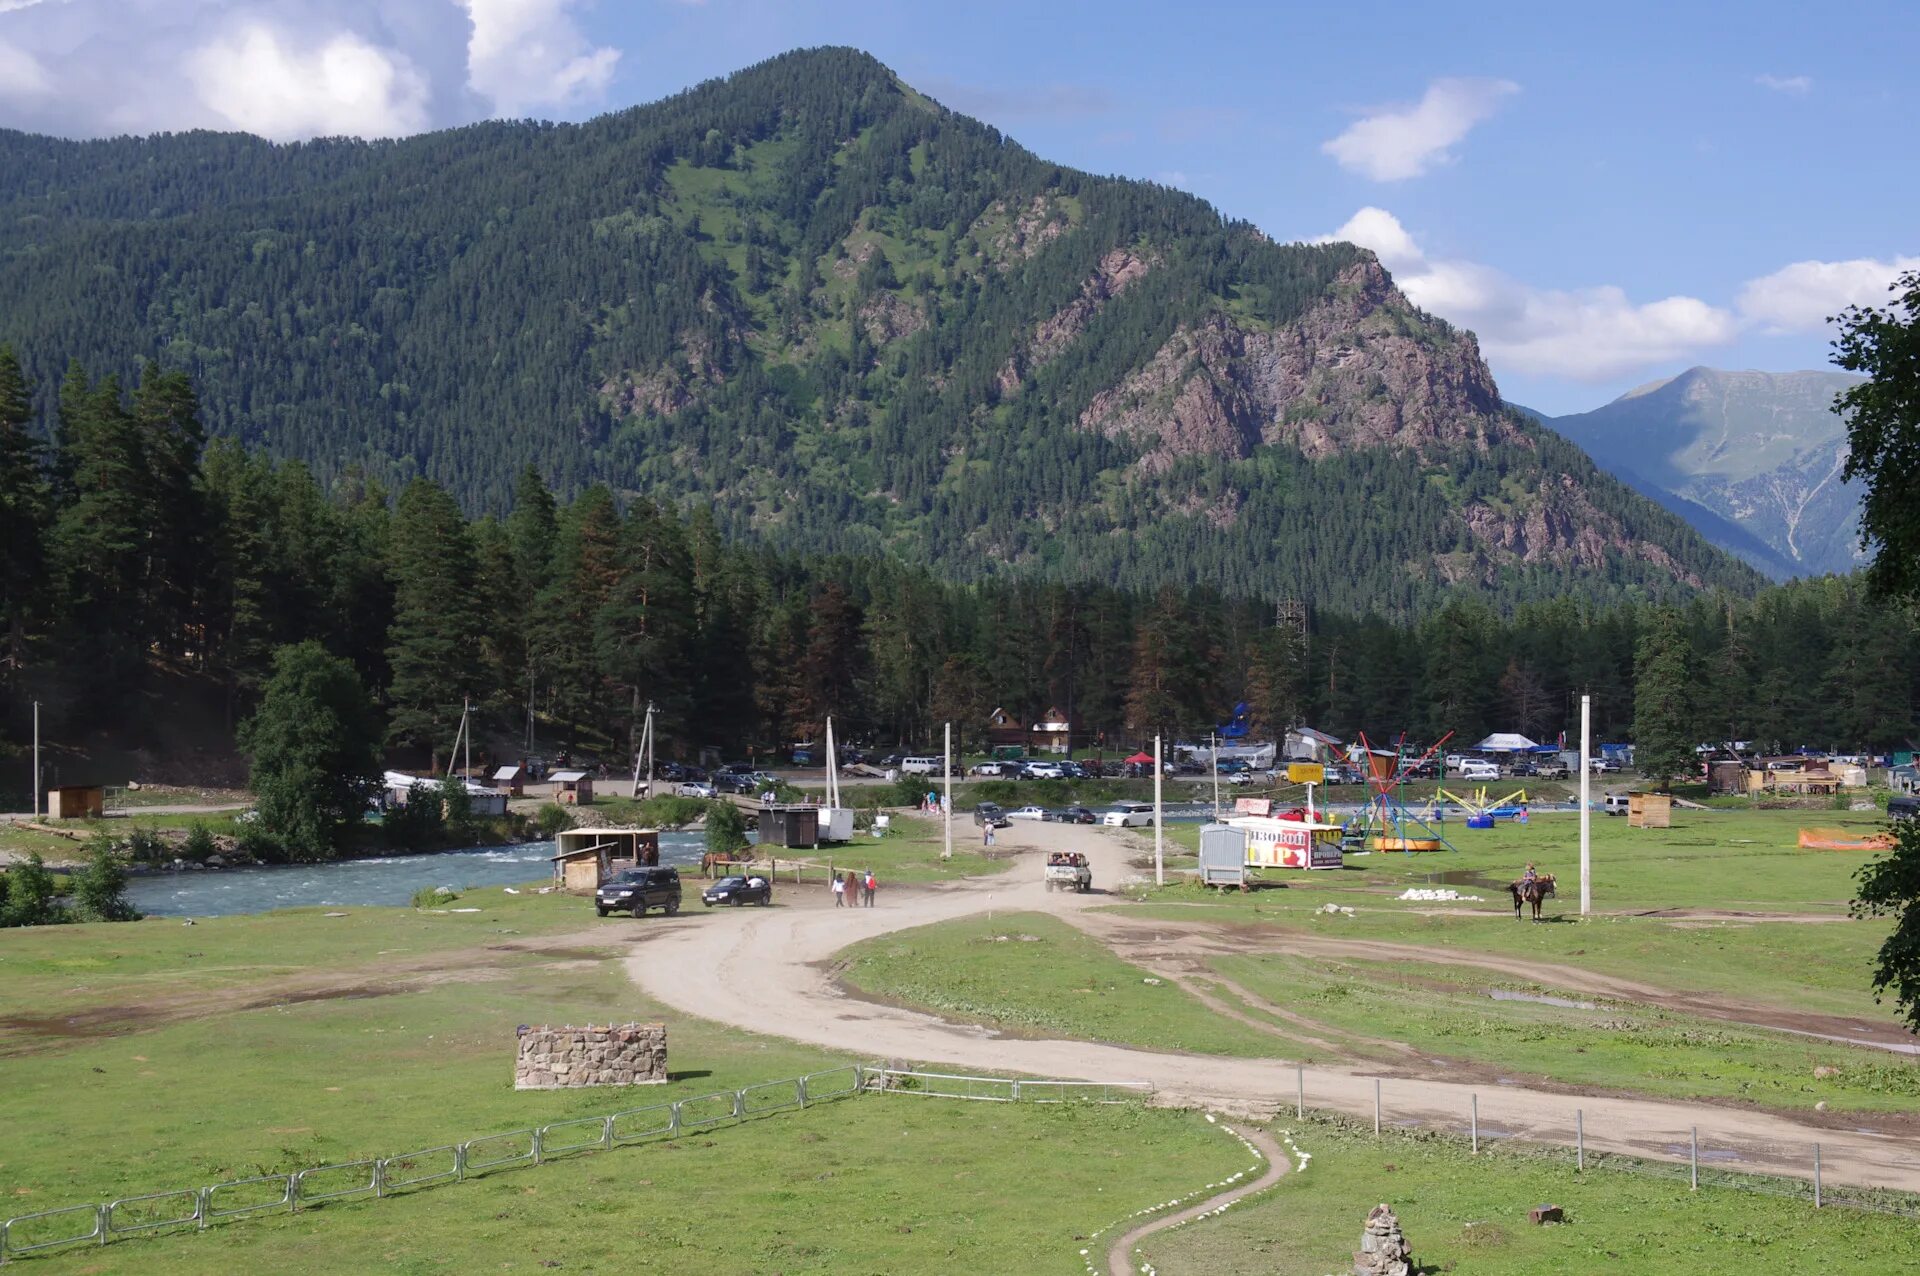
<point>768,970</point>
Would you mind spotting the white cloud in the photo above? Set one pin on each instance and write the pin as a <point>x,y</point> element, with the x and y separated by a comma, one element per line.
<point>1803,296</point>
<point>1588,334</point>
<point>258,81</point>
<point>1405,141</point>
<point>21,74</point>
<point>527,54</point>
<point>292,68</point>
<point>1793,84</point>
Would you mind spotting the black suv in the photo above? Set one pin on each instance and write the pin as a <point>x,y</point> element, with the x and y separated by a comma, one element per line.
<point>638,889</point>
<point>738,890</point>
<point>989,815</point>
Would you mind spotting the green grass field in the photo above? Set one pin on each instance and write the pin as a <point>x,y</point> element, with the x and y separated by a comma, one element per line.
<point>1027,972</point>
<point>1466,1213</point>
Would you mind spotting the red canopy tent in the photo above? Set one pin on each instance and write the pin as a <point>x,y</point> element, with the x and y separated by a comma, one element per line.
<point>1140,759</point>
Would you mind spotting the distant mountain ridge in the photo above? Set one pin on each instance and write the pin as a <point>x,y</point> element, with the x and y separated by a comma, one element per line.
<point>1751,459</point>
<point>849,320</point>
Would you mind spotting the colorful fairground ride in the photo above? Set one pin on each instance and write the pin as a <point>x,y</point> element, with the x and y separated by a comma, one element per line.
<point>1386,822</point>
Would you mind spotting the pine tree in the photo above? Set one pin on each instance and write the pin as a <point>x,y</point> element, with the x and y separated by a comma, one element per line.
<point>1663,738</point>
<point>434,646</point>
<point>25,514</point>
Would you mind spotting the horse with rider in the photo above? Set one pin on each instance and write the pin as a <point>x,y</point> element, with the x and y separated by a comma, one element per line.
<point>1532,888</point>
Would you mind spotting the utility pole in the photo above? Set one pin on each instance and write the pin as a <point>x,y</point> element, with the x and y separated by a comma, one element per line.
<point>36,759</point>
<point>1215,737</point>
<point>1159,862</point>
<point>466,707</point>
<point>529,708</point>
<point>946,796</point>
<point>1586,813</point>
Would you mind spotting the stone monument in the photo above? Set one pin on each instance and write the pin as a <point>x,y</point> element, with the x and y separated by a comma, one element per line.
<point>1383,1249</point>
<point>558,1058</point>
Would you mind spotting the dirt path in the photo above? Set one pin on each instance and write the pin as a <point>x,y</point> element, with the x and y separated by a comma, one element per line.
<point>1191,942</point>
<point>1120,1253</point>
<point>769,971</point>
<point>28,1034</point>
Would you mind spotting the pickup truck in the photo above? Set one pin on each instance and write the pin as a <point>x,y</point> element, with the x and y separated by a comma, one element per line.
<point>1068,871</point>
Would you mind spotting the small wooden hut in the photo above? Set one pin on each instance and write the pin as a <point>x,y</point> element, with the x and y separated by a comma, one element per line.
<point>790,826</point>
<point>511,780</point>
<point>573,788</point>
<point>76,802</point>
<point>1649,811</point>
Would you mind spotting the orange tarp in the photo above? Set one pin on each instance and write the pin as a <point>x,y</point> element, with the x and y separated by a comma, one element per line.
<point>1841,840</point>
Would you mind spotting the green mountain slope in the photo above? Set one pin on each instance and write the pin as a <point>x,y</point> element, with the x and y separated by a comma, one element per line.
<point>851,319</point>
<point>1761,451</point>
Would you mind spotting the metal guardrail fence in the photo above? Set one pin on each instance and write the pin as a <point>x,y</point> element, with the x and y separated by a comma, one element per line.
<point>379,1177</point>
<point>1689,1159</point>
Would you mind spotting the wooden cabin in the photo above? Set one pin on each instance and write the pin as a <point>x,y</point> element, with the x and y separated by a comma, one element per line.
<point>76,802</point>
<point>790,826</point>
<point>573,788</point>
<point>511,780</point>
<point>1649,811</point>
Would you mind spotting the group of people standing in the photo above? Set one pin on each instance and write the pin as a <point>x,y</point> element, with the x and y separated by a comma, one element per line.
<point>854,890</point>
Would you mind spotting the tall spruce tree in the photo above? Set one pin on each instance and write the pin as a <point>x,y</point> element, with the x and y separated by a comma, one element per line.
<point>25,512</point>
<point>1664,722</point>
<point>434,647</point>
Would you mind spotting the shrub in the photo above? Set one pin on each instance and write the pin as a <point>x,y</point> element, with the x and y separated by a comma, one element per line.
<point>199,844</point>
<point>29,895</point>
<point>432,896</point>
<point>726,828</point>
<point>144,846</point>
<point>100,889</point>
<point>552,818</point>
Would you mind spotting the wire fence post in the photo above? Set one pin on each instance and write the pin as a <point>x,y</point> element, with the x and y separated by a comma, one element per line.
<point>1579,1141</point>
<point>1693,1158</point>
<point>1300,1092</point>
<point>1474,1125</point>
<point>1816,1176</point>
<point>1376,1107</point>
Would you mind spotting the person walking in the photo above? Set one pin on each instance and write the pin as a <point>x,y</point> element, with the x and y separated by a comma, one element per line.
<point>869,886</point>
<point>839,892</point>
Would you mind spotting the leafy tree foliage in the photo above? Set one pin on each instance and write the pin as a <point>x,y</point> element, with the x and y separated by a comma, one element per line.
<point>314,747</point>
<point>1890,886</point>
<point>100,889</point>
<point>1883,429</point>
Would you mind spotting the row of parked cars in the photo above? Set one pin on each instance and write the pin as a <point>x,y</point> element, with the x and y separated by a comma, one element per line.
<point>638,889</point>
<point>1119,815</point>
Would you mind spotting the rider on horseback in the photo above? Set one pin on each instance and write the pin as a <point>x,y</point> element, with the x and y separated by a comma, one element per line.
<point>1530,876</point>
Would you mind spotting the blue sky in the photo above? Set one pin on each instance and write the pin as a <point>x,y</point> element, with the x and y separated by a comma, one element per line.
<point>1606,196</point>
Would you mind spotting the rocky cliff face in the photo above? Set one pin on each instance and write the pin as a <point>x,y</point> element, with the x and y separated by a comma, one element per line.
<point>1363,369</point>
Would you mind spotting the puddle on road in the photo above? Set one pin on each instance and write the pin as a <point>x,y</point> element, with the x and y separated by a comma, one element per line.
<point>1541,998</point>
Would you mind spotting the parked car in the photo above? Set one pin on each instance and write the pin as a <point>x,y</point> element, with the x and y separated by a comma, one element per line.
<point>727,782</point>
<point>989,813</point>
<point>1455,761</point>
<point>1030,813</point>
<point>1045,771</point>
<point>1554,770</point>
<point>1075,815</point>
<point>737,890</point>
<point>1238,777</point>
<point>1615,804</point>
<point>638,889</point>
<point>1479,769</point>
<point>1128,815</point>
<point>1235,766</point>
<point>987,768</point>
<point>1073,771</point>
<point>672,772</point>
<point>696,789</point>
<point>1903,808</point>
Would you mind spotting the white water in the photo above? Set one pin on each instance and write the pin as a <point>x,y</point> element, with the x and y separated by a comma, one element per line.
<point>388,879</point>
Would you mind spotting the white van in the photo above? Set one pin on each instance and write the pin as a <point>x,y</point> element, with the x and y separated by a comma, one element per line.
<point>920,766</point>
<point>1128,815</point>
<point>1479,769</point>
<point>1616,803</point>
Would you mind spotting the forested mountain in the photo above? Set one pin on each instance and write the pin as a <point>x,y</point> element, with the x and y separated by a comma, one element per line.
<point>1751,459</point>
<point>843,318</point>
<point>141,563</point>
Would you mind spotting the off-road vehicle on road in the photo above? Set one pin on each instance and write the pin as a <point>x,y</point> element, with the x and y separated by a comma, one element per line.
<point>1068,871</point>
<point>638,889</point>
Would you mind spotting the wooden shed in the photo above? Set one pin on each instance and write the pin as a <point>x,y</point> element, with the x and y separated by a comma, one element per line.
<point>573,788</point>
<point>511,780</point>
<point>1649,811</point>
<point>587,857</point>
<point>76,802</point>
<point>793,827</point>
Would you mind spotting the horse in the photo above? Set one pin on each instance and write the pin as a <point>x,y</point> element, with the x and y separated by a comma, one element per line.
<point>1523,891</point>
